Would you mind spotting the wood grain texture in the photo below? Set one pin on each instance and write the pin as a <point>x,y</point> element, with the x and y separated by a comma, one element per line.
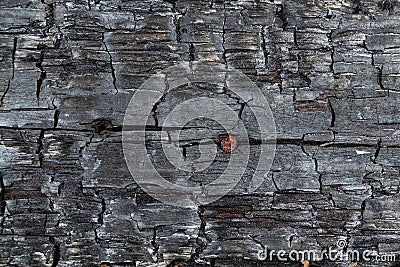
<point>329,69</point>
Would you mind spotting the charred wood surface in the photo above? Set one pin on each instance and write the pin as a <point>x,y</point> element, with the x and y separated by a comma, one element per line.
<point>329,69</point>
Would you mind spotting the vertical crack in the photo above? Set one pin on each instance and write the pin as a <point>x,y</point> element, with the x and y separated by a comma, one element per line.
<point>378,149</point>
<point>49,18</point>
<point>319,174</point>
<point>5,92</point>
<point>162,99</point>
<point>332,59</point>
<point>100,218</point>
<point>304,150</point>
<point>280,12</point>
<point>202,238</point>
<point>155,245</point>
<point>56,114</point>
<point>192,52</point>
<point>87,144</point>
<point>56,251</point>
<point>13,51</point>
<point>2,203</point>
<point>184,152</point>
<point>379,78</point>
<point>242,106</point>
<point>96,236</point>
<point>363,204</point>
<point>39,85</point>
<point>328,195</point>
<point>39,150</point>
<point>111,63</point>
<point>43,48</point>
<point>274,182</point>
<point>263,46</point>
<point>387,5</point>
<point>155,113</point>
<point>329,34</point>
<point>333,114</point>
<point>56,118</point>
<point>177,29</point>
<point>39,64</point>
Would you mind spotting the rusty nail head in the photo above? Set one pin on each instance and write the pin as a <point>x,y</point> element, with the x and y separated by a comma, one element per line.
<point>229,144</point>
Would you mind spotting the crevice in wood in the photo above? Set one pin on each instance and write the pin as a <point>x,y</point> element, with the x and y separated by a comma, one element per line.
<point>113,74</point>
<point>319,173</point>
<point>192,52</point>
<point>155,245</point>
<point>87,144</point>
<point>378,149</point>
<point>333,114</point>
<point>5,92</point>
<point>13,52</point>
<point>39,150</point>
<point>363,205</point>
<point>3,203</point>
<point>154,115</point>
<point>40,81</point>
<point>56,252</point>
<point>304,151</point>
<point>96,236</point>
<point>184,152</point>
<point>240,113</point>
<point>178,30</point>
<point>100,218</point>
<point>202,239</point>
<point>263,46</point>
<point>329,34</point>
<point>281,13</point>
<point>388,6</point>
<point>379,74</point>
<point>56,118</point>
<point>274,182</point>
<point>49,18</point>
